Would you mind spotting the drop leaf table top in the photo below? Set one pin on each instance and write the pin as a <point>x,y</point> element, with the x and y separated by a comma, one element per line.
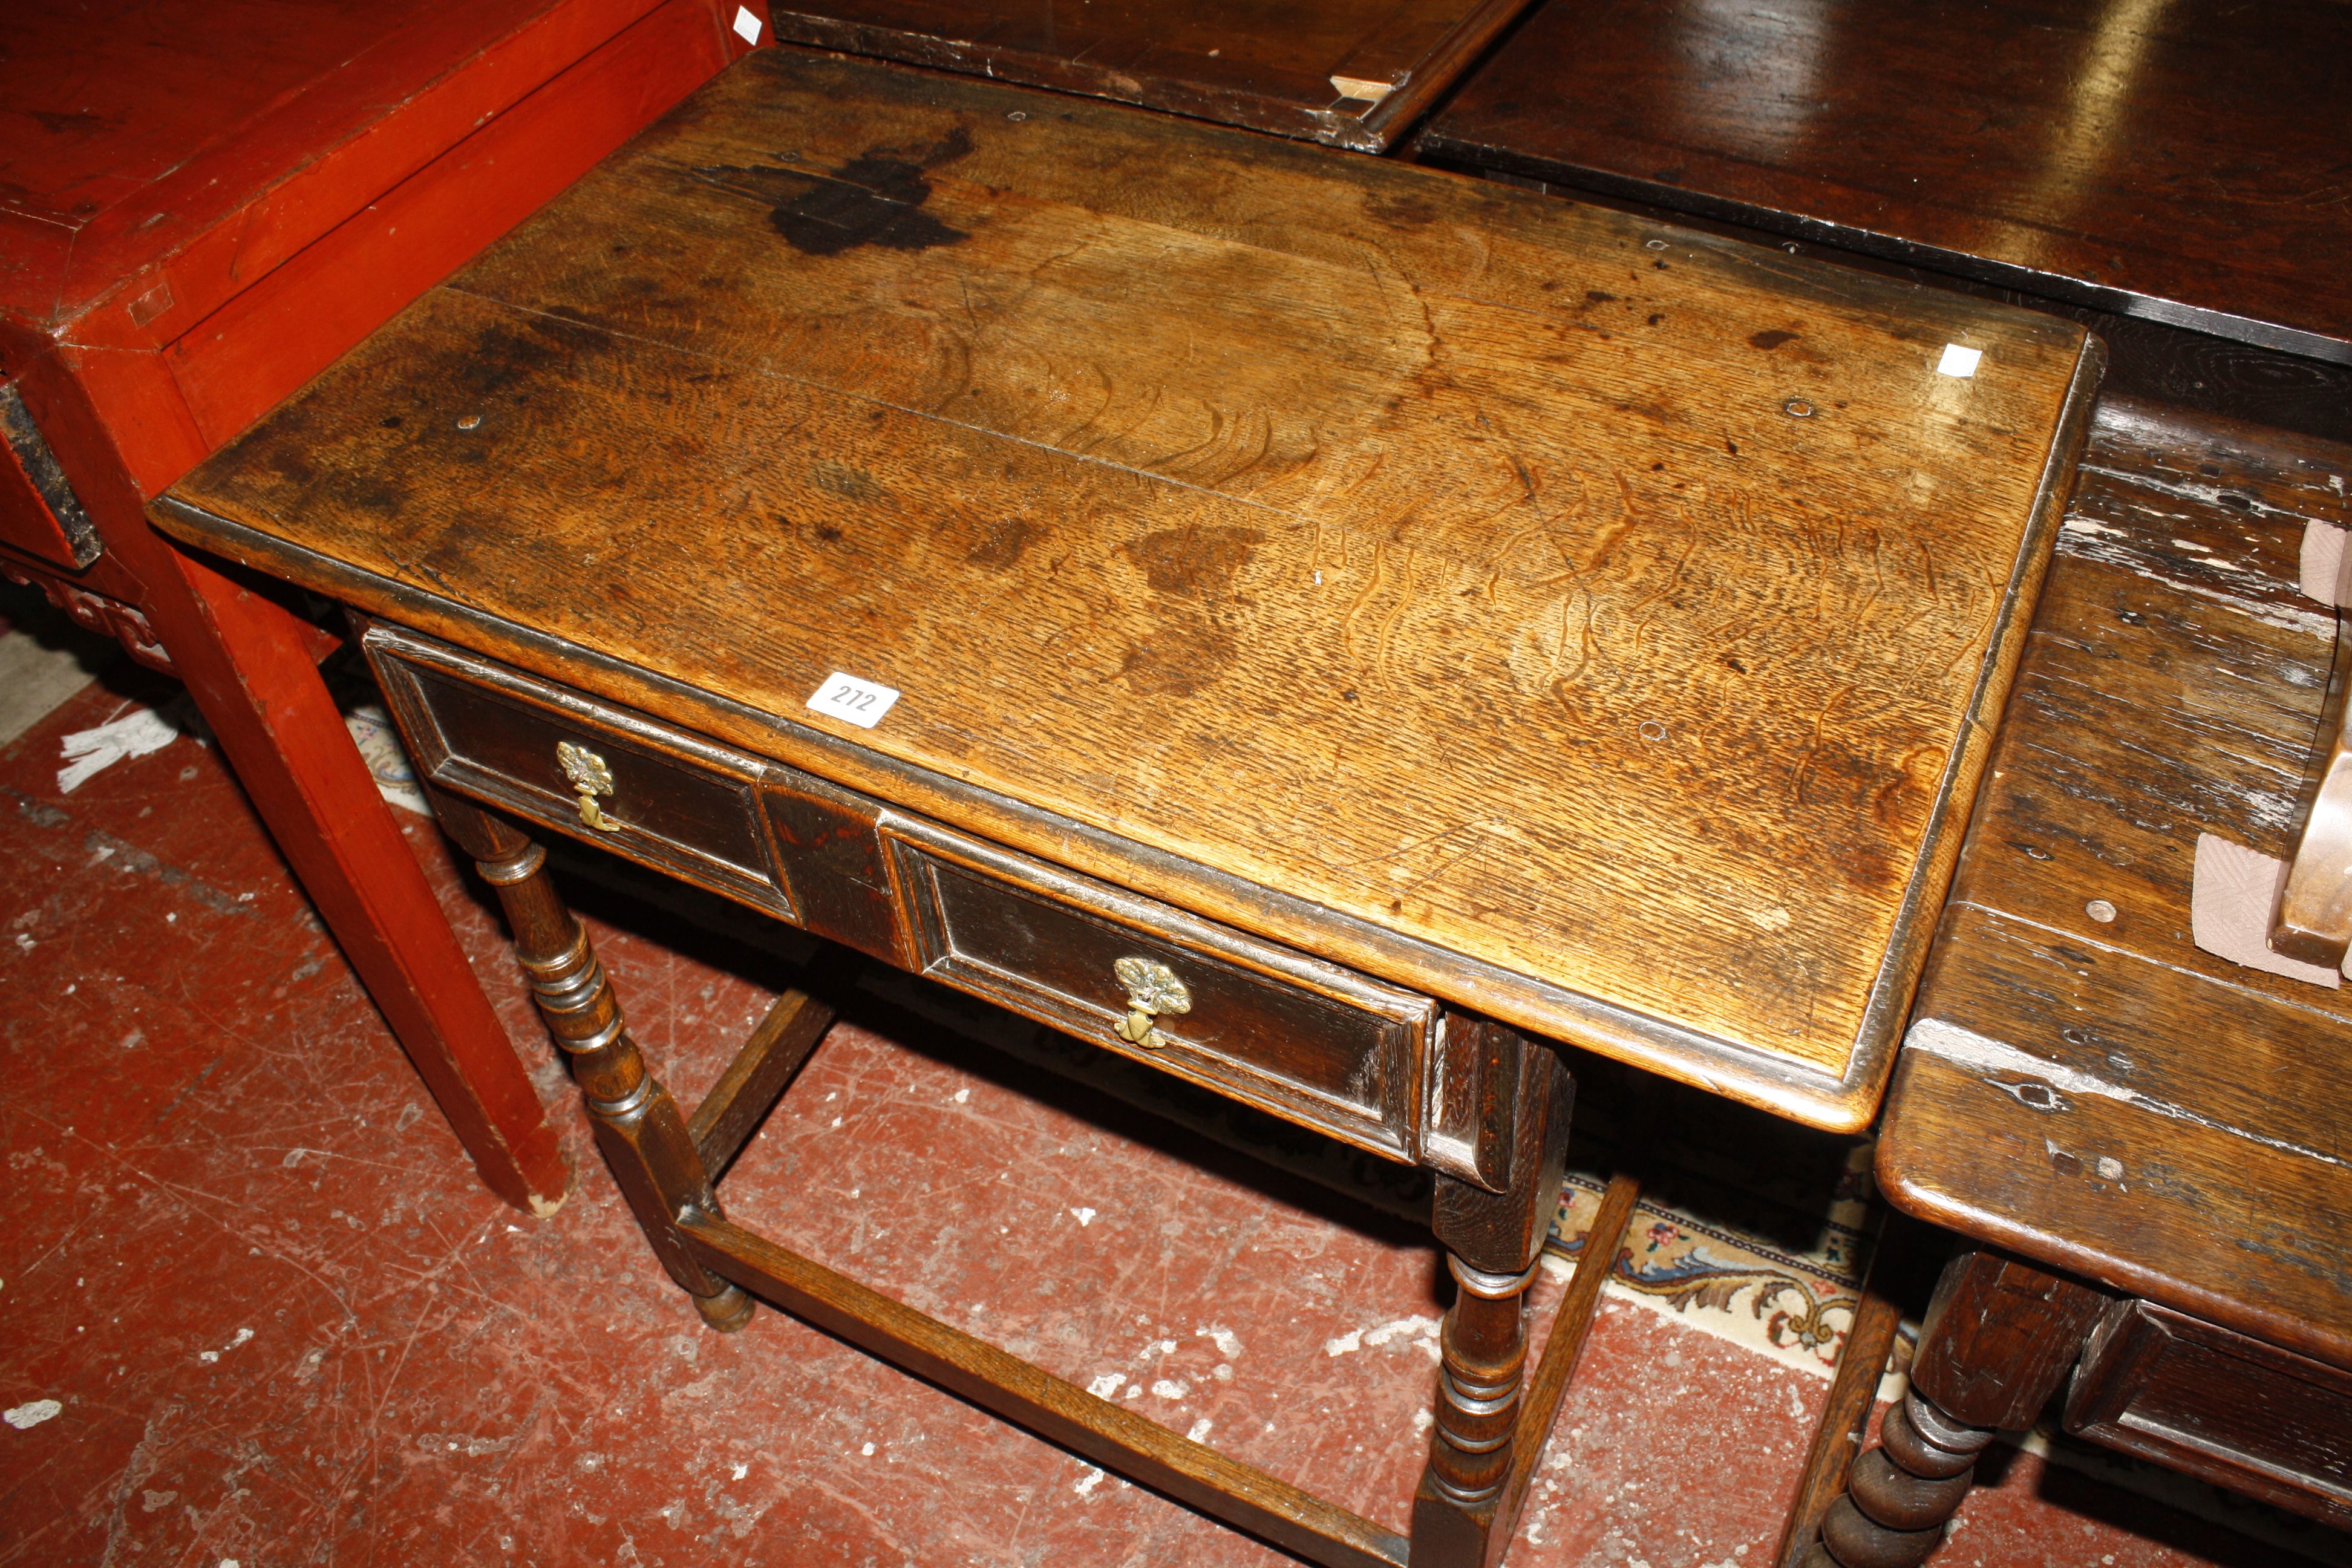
<point>1593,624</point>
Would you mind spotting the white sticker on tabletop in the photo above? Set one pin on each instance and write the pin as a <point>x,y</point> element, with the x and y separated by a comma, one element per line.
<point>856,702</point>
<point>1958,360</point>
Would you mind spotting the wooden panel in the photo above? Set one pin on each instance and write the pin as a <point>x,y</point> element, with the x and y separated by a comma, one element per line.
<point>833,854</point>
<point>1701,528</point>
<point>1353,73</point>
<point>2083,1084</point>
<point>2040,143</point>
<point>2217,1404</point>
<point>672,801</point>
<point>1303,1039</point>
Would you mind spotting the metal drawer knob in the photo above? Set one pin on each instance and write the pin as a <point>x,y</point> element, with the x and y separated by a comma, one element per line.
<point>1151,988</point>
<point>591,778</point>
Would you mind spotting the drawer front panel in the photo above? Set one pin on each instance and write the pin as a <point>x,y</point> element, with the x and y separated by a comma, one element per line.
<point>669,800</point>
<point>1306,1040</point>
<point>2201,1398</point>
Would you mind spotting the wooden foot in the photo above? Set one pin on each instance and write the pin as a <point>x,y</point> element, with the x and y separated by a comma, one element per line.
<point>638,1126</point>
<point>1465,1507</point>
<point>1999,1337</point>
<point>726,1312</point>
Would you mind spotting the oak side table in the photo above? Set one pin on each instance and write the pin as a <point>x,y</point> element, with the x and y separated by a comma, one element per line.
<point>1325,628</point>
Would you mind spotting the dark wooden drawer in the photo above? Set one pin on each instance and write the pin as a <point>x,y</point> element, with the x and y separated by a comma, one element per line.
<point>1304,1039</point>
<point>1307,1040</point>
<point>2241,1413</point>
<point>670,800</point>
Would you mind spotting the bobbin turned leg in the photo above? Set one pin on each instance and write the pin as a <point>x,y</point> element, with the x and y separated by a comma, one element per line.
<point>1463,1512</point>
<point>637,1125</point>
<point>1999,1337</point>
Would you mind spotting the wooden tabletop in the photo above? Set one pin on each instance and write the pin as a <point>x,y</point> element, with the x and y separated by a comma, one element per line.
<point>1353,73</point>
<point>2182,161</point>
<point>2083,1084</point>
<point>1591,623</point>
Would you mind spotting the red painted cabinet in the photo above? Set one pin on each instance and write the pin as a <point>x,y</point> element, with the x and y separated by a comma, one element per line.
<point>201,204</point>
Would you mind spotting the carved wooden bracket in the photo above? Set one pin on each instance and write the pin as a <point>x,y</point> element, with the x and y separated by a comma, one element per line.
<point>108,617</point>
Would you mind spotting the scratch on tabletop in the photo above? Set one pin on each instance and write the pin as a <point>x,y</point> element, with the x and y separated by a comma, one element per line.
<point>1805,763</point>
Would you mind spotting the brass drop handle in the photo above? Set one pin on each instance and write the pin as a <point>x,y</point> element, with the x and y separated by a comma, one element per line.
<point>591,778</point>
<point>1152,989</point>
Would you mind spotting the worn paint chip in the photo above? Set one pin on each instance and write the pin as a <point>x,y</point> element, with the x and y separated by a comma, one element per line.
<point>31,1414</point>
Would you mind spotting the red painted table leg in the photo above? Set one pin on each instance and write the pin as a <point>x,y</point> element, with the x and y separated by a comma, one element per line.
<point>249,663</point>
<point>244,658</point>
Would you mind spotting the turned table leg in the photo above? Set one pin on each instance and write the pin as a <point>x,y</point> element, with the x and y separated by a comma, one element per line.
<point>638,1127</point>
<point>1997,1338</point>
<point>1466,1506</point>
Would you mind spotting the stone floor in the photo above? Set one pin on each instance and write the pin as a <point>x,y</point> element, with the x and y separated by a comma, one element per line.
<point>277,1322</point>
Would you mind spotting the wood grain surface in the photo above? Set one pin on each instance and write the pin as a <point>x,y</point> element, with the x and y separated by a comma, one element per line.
<point>1353,73</point>
<point>1615,608</point>
<point>2083,1084</point>
<point>2182,160</point>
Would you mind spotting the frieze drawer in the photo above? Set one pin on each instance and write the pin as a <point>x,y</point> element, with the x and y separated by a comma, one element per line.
<point>2198,1398</point>
<point>656,795</point>
<point>1304,1039</point>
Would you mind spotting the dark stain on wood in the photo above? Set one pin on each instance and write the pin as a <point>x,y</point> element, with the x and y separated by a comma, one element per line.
<point>875,198</point>
<point>1182,658</point>
<point>1192,561</point>
<point>1770,341</point>
<point>1001,548</point>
